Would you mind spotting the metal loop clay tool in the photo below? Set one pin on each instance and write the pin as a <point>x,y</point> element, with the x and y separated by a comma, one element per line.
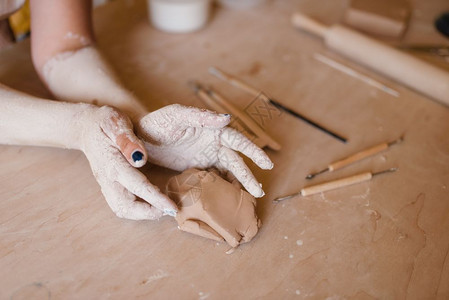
<point>335,184</point>
<point>356,157</point>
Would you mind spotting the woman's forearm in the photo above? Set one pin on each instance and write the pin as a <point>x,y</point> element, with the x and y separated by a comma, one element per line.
<point>27,120</point>
<point>84,76</point>
<point>65,57</point>
<point>31,121</point>
<point>104,135</point>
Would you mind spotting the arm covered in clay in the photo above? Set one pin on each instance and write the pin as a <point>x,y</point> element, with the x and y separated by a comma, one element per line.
<point>105,136</point>
<point>67,60</point>
<point>176,136</point>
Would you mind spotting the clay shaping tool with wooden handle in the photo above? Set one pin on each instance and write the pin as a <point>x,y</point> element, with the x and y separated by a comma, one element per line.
<point>253,126</point>
<point>257,93</point>
<point>399,66</point>
<point>353,73</point>
<point>336,184</point>
<point>220,104</point>
<point>356,157</point>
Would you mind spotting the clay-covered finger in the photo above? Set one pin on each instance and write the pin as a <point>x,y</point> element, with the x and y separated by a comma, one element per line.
<point>200,228</point>
<point>233,139</point>
<point>231,161</point>
<point>196,117</point>
<point>138,184</point>
<point>124,204</point>
<point>132,148</point>
<point>119,129</point>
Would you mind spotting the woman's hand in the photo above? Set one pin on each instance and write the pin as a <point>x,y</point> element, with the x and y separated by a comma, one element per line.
<point>113,151</point>
<point>181,137</point>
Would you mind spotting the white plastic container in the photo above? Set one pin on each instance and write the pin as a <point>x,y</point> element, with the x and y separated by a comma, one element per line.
<point>241,4</point>
<point>178,16</point>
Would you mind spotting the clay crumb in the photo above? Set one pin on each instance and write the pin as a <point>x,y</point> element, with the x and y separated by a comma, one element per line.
<point>156,276</point>
<point>231,250</point>
<point>255,69</point>
<point>323,197</point>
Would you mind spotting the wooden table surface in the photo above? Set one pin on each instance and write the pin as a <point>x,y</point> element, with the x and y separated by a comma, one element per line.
<point>384,239</point>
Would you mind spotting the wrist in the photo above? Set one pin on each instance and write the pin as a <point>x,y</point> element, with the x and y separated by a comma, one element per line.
<point>132,108</point>
<point>84,76</point>
<point>79,121</point>
<point>27,120</point>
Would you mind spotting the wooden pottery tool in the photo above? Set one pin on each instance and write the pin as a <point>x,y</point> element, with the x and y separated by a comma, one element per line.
<point>335,184</point>
<point>247,121</point>
<point>412,72</point>
<point>353,73</point>
<point>388,18</point>
<point>258,93</point>
<point>356,157</point>
<point>220,104</point>
<point>439,51</point>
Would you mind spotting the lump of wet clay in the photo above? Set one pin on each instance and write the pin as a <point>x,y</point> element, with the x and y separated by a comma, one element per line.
<point>211,207</point>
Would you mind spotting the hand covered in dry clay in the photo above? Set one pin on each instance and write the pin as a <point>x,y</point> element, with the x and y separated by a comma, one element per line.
<point>211,207</point>
<point>105,136</point>
<point>181,137</point>
<point>103,143</point>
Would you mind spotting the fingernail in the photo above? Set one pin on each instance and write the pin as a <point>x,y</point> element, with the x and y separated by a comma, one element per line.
<point>170,212</point>
<point>137,156</point>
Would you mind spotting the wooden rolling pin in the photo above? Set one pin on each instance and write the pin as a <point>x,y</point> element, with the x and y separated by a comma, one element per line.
<point>410,71</point>
<point>336,184</point>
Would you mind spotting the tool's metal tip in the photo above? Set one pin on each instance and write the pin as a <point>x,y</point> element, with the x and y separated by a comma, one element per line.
<point>279,199</point>
<point>194,85</point>
<point>217,73</point>
<point>394,169</point>
<point>210,91</point>
<point>312,175</point>
<point>399,140</point>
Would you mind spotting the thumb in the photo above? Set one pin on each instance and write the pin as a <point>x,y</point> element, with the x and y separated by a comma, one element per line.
<point>118,128</point>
